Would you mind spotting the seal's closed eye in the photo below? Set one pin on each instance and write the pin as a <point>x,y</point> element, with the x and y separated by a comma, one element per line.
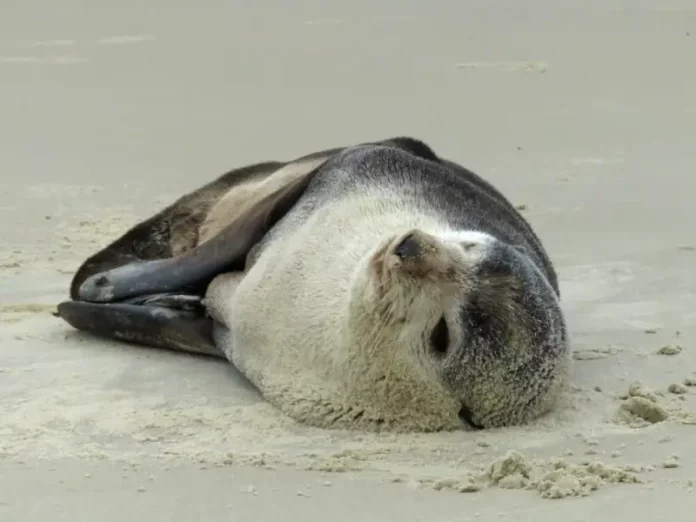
<point>439,338</point>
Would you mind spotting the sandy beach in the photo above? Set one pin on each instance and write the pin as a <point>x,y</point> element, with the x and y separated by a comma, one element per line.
<point>581,112</point>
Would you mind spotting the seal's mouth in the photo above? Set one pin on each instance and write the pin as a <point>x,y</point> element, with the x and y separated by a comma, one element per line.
<point>466,416</point>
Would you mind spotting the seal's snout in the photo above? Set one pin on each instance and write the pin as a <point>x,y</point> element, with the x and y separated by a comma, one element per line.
<point>413,254</point>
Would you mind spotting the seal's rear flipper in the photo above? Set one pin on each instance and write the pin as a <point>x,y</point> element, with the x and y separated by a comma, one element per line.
<point>146,325</point>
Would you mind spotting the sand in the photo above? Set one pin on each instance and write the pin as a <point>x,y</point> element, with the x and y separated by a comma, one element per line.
<point>580,111</point>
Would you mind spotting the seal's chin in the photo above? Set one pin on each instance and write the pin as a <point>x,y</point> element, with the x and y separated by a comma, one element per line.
<point>467,418</point>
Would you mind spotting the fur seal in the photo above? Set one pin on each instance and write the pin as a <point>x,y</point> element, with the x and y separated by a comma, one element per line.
<point>376,286</point>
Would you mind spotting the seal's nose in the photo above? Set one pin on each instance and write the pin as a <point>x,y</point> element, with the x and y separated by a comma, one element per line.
<point>409,247</point>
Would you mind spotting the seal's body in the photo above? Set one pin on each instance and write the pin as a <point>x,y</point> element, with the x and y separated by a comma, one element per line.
<point>376,286</point>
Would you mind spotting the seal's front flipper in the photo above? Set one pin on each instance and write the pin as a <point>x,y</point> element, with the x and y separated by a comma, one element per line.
<point>185,302</point>
<point>194,269</point>
<point>146,325</point>
<point>164,253</point>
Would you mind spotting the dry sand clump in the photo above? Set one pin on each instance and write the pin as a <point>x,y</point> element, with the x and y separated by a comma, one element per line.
<point>553,478</point>
<point>670,349</point>
<point>642,406</point>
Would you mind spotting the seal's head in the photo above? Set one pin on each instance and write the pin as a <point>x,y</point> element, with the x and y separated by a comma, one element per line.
<point>459,328</point>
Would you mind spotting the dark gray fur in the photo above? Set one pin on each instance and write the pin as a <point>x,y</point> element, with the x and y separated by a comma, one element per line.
<point>441,187</point>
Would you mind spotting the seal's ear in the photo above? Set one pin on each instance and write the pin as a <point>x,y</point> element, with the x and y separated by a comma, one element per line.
<point>194,269</point>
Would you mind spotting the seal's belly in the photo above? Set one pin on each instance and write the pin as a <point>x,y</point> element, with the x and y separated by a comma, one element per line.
<point>290,310</point>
